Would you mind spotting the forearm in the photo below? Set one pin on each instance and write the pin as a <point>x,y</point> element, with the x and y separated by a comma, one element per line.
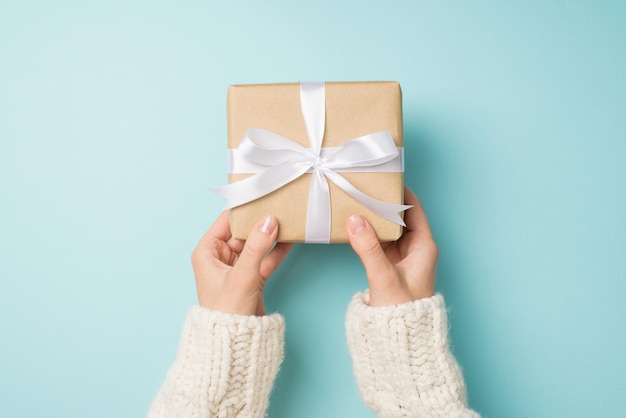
<point>226,366</point>
<point>402,362</point>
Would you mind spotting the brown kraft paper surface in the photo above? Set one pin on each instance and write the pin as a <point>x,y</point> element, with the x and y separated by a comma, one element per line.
<point>352,110</point>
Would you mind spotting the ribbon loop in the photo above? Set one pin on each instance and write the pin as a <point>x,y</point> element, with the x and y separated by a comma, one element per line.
<point>277,160</point>
<point>365,151</point>
<point>268,148</point>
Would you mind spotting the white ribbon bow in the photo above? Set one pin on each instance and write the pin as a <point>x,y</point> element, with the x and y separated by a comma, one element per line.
<point>282,160</point>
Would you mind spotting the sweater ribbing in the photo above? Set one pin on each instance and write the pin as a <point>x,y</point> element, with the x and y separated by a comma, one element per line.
<point>401,359</point>
<point>226,366</point>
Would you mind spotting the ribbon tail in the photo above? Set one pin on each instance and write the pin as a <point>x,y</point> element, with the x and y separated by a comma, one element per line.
<point>318,210</point>
<point>385,210</point>
<point>261,184</point>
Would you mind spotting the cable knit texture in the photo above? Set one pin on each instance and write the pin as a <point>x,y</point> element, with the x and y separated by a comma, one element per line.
<point>401,359</point>
<point>226,366</point>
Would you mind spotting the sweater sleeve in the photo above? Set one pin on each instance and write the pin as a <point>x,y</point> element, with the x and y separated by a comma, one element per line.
<point>401,359</point>
<point>225,367</point>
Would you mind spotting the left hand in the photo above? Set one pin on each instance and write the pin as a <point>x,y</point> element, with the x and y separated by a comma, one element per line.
<point>230,273</point>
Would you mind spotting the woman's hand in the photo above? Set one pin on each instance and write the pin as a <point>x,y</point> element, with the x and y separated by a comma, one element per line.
<point>401,271</point>
<point>230,273</point>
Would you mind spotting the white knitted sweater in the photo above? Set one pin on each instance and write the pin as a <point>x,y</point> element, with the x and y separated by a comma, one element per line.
<point>227,364</point>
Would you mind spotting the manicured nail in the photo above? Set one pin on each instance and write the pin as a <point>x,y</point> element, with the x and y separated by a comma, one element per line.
<point>268,225</point>
<point>356,224</point>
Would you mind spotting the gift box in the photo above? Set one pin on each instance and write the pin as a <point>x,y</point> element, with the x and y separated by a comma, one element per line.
<point>312,154</point>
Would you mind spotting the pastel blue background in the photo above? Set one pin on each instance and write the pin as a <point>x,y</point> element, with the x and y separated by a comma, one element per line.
<point>112,130</point>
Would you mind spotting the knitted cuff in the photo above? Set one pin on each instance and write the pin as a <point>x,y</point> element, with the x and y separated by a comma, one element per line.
<point>226,365</point>
<point>401,358</point>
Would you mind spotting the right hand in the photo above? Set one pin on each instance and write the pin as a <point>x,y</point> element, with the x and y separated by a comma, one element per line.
<point>400,271</point>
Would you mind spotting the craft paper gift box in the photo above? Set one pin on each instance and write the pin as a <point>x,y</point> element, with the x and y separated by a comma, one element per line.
<point>273,129</point>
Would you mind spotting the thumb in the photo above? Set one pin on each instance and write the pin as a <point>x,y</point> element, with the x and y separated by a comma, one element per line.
<point>365,244</point>
<point>259,242</point>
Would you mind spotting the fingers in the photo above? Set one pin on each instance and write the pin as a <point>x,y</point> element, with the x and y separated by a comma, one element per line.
<point>209,243</point>
<point>275,258</point>
<point>236,244</point>
<point>220,230</point>
<point>259,242</point>
<point>365,244</point>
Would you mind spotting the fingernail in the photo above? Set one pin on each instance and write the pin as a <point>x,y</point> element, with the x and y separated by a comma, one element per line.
<point>356,224</point>
<point>268,225</point>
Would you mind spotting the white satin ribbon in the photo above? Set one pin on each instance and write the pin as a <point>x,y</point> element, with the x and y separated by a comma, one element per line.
<point>239,163</point>
<point>278,160</point>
